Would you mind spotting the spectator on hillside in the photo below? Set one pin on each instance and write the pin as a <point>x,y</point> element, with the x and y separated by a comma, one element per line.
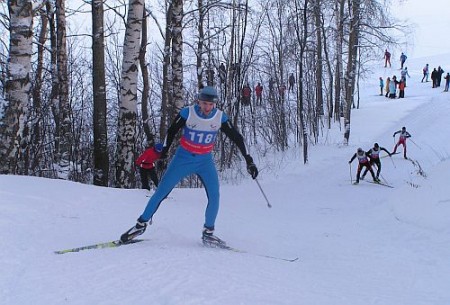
<point>393,87</point>
<point>291,82</point>
<point>388,81</point>
<point>439,76</point>
<point>404,74</point>
<point>401,89</point>
<point>434,78</point>
<point>381,85</point>
<point>258,93</point>
<point>447,82</point>
<point>146,163</point>
<point>387,58</point>
<point>426,72</point>
<point>222,73</point>
<point>246,94</point>
<point>271,85</point>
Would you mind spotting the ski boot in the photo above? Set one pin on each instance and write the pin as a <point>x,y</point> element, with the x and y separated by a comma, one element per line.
<point>210,240</point>
<point>134,232</point>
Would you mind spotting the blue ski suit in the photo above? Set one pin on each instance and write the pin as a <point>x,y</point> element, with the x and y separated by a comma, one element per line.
<point>194,156</point>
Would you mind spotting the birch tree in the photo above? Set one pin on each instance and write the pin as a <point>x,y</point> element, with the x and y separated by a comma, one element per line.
<point>64,132</point>
<point>126,132</point>
<point>13,126</point>
<point>350,74</point>
<point>177,55</point>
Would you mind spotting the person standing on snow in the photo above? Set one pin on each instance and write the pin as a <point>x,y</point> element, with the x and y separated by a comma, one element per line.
<point>246,95</point>
<point>363,161</point>
<point>447,82</point>
<point>439,76</point>
<point>401,140</point>
<point>388,81</point>
<point>401,89</point>
<point>381,85</point>
<point>434,78</point>
<point>200,124</point>
<point>426,72</point>
<point>146,163</point>
<point>393,87</point>
<point>387,58</point>
<point>404,73</point>
<point>374,154</point>
<point>403,58</point>
<point>291,82</point>
<point>258,93</point>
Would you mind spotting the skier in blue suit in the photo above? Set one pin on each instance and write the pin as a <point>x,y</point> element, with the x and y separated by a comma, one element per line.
<point>200,123</point>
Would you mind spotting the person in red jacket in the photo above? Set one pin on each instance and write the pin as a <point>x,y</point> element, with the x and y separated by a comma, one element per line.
<point>258,92</point>
<point>146,163</point>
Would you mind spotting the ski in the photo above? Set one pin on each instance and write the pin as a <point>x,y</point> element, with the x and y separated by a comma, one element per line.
<point>225,247</point>
<point>390,155</point>
<point>379,183</point>
<point>110,244</point>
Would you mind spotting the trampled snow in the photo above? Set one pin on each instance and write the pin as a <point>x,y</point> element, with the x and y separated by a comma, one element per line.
<point>357,245</point>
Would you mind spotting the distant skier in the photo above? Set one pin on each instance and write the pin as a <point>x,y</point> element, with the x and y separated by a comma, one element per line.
<point>363,161</point>
<point>401,140</point>
<point>374,154</point>
<point>403,58</point>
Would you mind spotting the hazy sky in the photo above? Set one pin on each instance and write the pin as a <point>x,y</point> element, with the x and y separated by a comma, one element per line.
<point>431,26</point>
<point>429,18</point>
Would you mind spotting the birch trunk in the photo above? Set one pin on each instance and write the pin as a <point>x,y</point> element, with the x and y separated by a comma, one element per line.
<point>65,135</point>
<point>177,55</point>
<point>338,77</point>
<point>126,133</point>
<point>351,65</point>
<point>17,89</point>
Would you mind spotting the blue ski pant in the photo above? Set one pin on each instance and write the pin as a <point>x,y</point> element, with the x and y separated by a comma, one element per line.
<point>184,164</point>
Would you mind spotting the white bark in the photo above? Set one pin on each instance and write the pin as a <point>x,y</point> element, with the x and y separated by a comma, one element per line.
<point>126,134</point>
<point>18,86</point>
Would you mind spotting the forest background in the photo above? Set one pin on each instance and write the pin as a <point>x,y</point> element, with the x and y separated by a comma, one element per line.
<point>86,85</point>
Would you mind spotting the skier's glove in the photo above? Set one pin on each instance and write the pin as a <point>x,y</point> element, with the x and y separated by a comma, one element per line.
<point>349,161</point>
<point>251,167</point>
<point>393,135</point>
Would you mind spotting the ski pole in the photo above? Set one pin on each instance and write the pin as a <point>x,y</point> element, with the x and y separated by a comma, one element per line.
<point>415,144</point>
<point>390,157</point>
<point>262,192</point>
<point>351,178</point>
<point>385,181</point>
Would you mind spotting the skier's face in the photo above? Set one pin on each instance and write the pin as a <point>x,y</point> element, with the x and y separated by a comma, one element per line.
<point>206,107</point>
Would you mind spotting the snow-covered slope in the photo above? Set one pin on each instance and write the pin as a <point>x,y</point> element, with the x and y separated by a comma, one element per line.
<point>357,245</point>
